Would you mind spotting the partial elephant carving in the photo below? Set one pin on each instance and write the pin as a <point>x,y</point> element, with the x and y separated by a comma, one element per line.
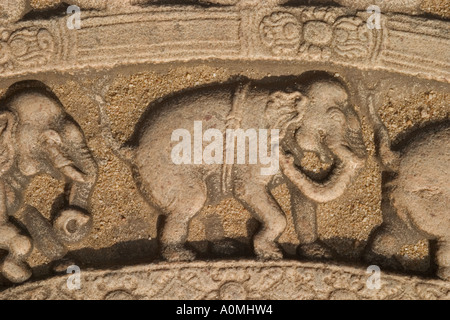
<point>13,10</point>
<point>419,193</point>
<point>38,136</point>
<point>314,117</point>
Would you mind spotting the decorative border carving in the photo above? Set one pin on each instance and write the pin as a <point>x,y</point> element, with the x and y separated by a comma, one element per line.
<point>159,35</point>
<point>232,280</point>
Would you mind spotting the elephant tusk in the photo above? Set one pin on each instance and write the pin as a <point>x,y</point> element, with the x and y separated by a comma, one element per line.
<point>332,189</point>
<point>73,173</point>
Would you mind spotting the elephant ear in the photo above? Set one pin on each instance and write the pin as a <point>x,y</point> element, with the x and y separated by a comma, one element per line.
<point>7,151</point>
<point>284,109</point>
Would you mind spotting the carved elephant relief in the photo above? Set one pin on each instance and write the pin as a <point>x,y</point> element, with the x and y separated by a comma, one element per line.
<point>13,10</point>
<point>312,117</point>
<point>418,194</point>
<point>37,136</point>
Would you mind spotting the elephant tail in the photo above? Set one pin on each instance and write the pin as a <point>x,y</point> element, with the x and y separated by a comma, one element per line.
<point>123,151</point>
<point>390,160</point>
<point>126,153</point>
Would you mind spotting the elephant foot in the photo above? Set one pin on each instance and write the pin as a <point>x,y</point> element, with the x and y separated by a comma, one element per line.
<point>315,251</point>
<point>174,253</point>
<point>266,250</point>
<point>386,244</point>
<point>443,259</point>
<point>20,247</point>
<point>15,271</point>
<point>444,273</point>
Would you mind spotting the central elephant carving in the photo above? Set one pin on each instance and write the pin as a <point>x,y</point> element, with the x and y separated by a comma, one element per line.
<point>312,117</point>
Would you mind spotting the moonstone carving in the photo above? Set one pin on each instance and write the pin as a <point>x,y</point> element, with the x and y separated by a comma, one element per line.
<point>224,149</point>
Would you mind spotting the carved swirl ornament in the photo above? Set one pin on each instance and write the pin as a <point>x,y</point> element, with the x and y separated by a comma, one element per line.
<point>26,47</point>
<point>317,35</point>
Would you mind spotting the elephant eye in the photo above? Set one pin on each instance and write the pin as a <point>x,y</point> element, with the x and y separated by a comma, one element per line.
<point>336,114</point>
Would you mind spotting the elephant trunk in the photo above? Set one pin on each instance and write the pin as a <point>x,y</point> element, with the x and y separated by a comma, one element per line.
<point>390,160</point>
<point>81,190</point>
<point>347,168</point>
<point>74,223</point>
<point>71,156</point>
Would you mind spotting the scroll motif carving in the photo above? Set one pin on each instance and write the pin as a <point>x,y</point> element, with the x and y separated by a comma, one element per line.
<point>351,38</point>
<point>255,30</point>
<point>281,32</point>
<point>318,34</point>
<point>27,47</point>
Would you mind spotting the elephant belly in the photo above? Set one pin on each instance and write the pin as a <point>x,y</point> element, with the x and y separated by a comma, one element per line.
<point>423,187</point>
<point>162,181</point>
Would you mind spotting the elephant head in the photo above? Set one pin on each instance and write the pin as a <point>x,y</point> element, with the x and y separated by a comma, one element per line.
<point>328,127</point>
<point>38,136</point>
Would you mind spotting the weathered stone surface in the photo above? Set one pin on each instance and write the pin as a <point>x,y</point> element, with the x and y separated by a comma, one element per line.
<point>235,280</point>
<point>328,35</point>
<point>88,118</point>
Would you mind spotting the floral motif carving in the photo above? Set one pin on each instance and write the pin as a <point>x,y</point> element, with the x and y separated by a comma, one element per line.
<point>27,47</point>
<point>318,34</point>
<point>231,280</point>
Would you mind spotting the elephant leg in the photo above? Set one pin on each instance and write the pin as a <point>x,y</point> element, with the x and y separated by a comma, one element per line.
<point>305,222</point>
<point>443,259</point>
<point>19,247</point>
<point>387,242</point>
<point>261,204</point>
<point>304,215</point>
<point>183,207</point>
<point>393,234</point>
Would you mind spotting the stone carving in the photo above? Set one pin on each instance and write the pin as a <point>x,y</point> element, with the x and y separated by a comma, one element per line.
<point>351,38</point>
<point>317,33</point>
<point>321,148</point>
<point>281,32</point>
<point>419,193</point>
<point>238,280</point>
<point>255,30</point>
<point>26,47</point>
<point>14,10</point>
<point>403,6</point>
<point>317,119</point>
<point>37,136</point>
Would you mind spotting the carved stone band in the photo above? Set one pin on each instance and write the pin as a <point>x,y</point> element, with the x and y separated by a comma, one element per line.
<point>232,280</point>
<point>162,35</point>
